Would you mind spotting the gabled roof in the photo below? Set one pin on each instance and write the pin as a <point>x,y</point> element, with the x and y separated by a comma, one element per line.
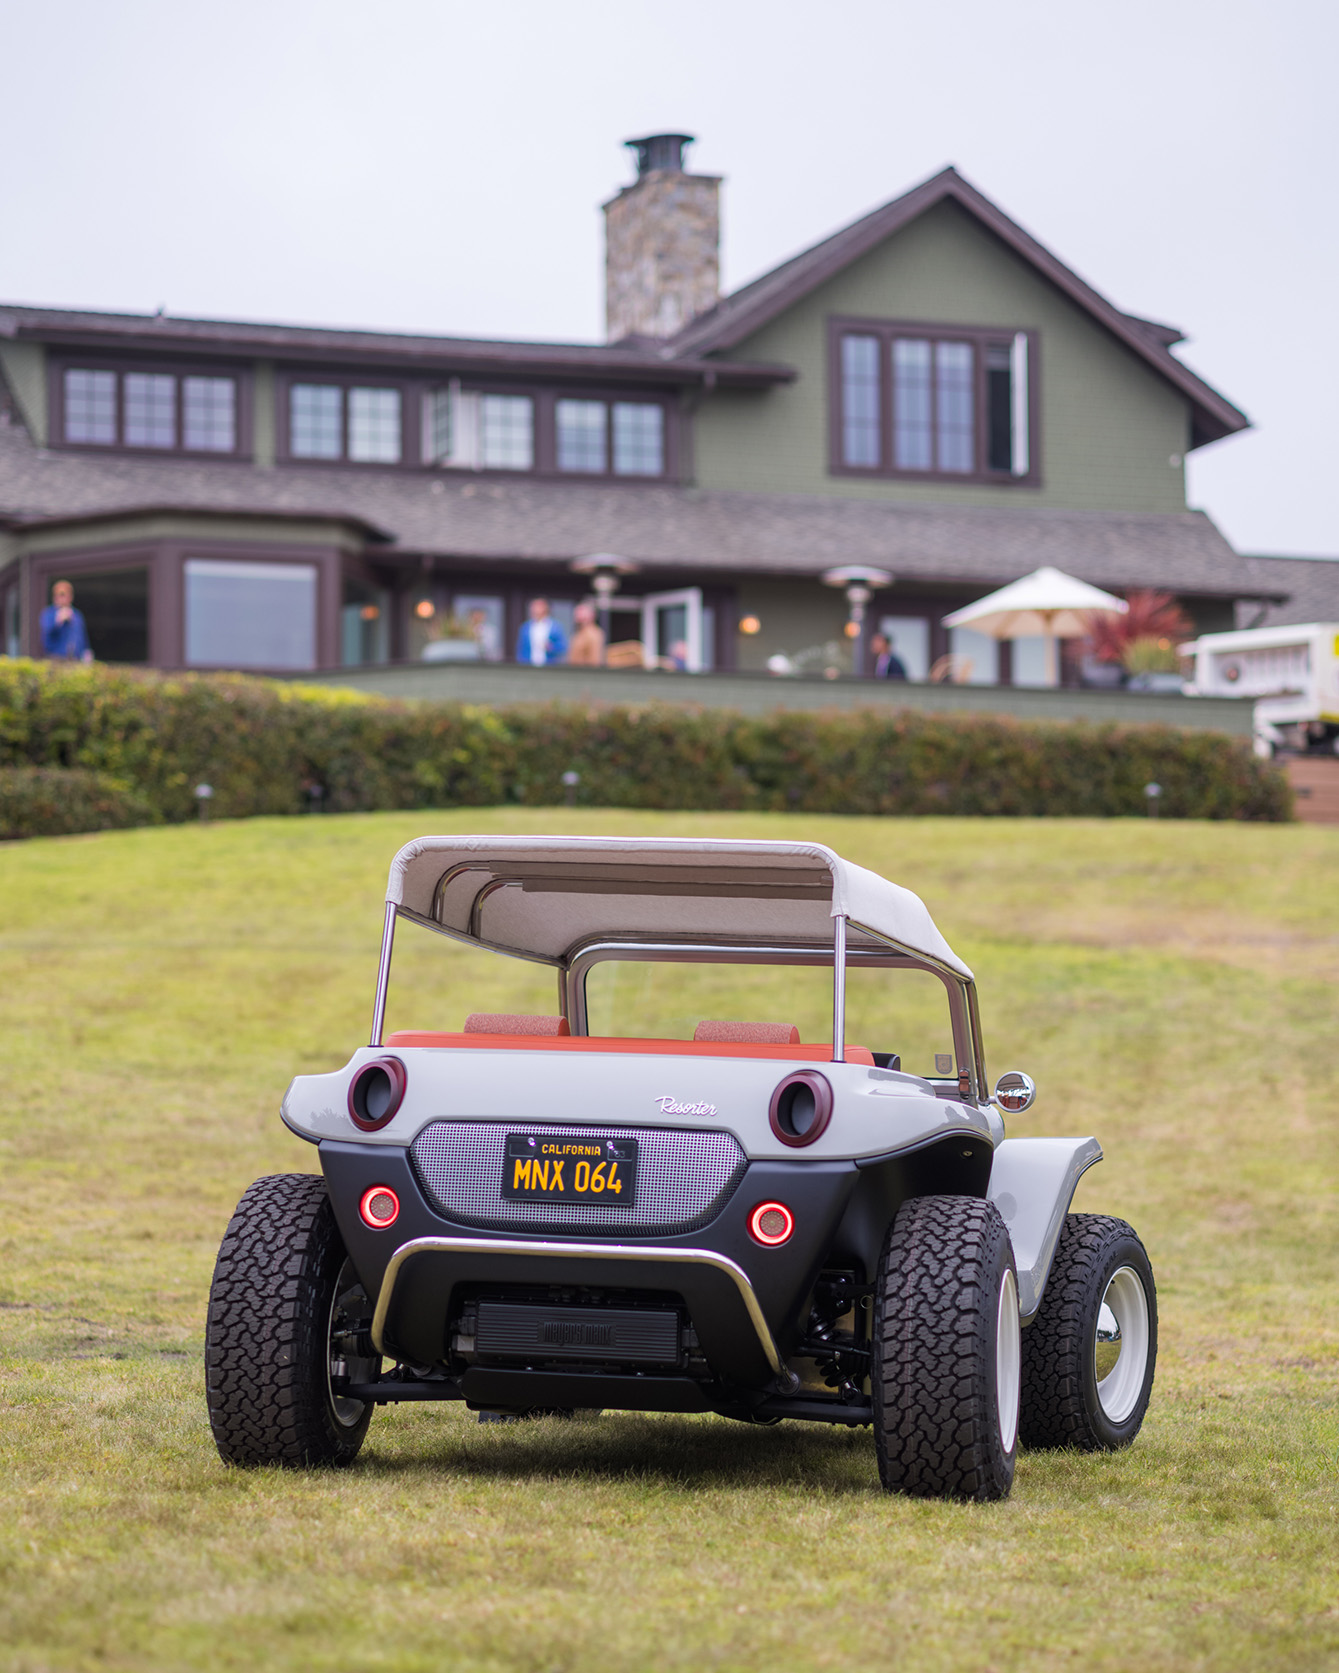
<point>747,310</point>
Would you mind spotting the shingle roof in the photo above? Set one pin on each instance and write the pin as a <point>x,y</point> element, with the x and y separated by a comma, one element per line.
<point>1311,585</point>
<point>662,527</point>
<point>746,310</point>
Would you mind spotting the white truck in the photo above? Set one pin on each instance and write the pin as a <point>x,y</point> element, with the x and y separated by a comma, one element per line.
<point>1292,673</point>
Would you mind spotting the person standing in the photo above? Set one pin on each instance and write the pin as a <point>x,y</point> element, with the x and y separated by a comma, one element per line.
<point>541,640</point>
<point>887,664</point>
<point>64,633</point>
<point>587,640</point>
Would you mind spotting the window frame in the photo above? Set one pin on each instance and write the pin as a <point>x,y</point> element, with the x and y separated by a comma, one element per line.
<point>121,365</point>
<point>408,389</point>
<point>979,337</point>
<point>545,398</point>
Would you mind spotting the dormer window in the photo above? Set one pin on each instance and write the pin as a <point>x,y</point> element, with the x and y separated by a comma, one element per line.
<point>344,421</point>
<point>927,402</point>
<point>572,435</point>
<point>170,412</point>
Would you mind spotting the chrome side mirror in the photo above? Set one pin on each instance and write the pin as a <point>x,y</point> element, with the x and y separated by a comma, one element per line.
<point>1015,1091</point>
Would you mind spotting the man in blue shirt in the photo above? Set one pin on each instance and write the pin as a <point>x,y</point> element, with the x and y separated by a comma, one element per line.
<point>540,640</point>
<point>64,635</point>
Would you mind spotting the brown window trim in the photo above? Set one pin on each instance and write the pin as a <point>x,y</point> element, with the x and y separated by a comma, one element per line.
<point>59,364</point>
<point>978,336</point>
<point>409,389</point>
<point>412,390</point>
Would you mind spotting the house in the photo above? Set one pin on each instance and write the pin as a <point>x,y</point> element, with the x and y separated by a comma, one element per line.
<point>929,395</point>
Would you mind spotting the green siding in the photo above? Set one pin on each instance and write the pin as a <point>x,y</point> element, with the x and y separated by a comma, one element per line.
<point>1109,423</point>
<point>263,415</point>
<point>24,369</point>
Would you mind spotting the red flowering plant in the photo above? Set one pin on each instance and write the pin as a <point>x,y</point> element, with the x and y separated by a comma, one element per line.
<point>1145,638</point>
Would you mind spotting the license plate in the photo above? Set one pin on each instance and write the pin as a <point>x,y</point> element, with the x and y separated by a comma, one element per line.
<point>538,1169</point>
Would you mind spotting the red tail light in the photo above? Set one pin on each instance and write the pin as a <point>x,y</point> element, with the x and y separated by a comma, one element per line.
<point>379,1207</point>
<point>771,1223</point>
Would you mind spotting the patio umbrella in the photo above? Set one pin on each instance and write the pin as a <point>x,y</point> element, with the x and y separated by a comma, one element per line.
<point>1048,604</point>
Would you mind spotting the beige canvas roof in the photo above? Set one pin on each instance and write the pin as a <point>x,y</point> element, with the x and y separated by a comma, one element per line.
<point>546,896</point>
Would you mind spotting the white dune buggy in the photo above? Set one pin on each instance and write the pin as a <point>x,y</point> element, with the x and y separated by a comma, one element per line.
<point>683,1189</point>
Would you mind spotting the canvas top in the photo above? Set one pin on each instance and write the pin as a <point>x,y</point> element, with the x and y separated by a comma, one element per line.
<point>548,896</point>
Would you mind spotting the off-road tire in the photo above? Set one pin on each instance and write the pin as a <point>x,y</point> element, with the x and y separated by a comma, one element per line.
<point>267,1348</point>
<point>945,1283</point>
<point>1061,1405</point>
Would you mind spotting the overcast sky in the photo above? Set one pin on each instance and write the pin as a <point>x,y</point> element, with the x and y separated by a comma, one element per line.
<point>426,164</point>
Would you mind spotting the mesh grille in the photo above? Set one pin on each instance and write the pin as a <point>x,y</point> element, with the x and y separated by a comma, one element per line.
<point>684,1179</point>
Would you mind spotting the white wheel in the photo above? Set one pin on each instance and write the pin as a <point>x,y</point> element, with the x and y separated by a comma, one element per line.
<point>1120,1348</point>
<point>1008,1360</point>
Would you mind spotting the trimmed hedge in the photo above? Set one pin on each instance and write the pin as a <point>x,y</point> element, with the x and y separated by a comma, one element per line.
<point>62,801</point>
<point>271,747</point>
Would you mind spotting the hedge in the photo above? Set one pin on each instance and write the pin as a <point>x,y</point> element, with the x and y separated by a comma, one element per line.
<point>272,747</point>
<point>61,801</point>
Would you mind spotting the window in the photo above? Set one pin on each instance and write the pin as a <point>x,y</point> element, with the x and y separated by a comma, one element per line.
<point>862,402</point>
<point>151,409</point>
<point>507,432</point>
<point>954,402</point>
<point>933,423</point>
<point>90,407</point>
<point>316,421</point>
<point>209,415</point>
<point>582,436</point>
<point>374,426</point>
<point>167,411</point>
<point>250,615</point>
<point>639,439</point>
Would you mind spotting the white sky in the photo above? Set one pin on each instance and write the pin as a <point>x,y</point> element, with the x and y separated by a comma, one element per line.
<point>427,164</point>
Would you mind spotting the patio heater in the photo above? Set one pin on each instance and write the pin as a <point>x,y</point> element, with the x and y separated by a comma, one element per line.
<point>859,582</point>
<point>605,570</point>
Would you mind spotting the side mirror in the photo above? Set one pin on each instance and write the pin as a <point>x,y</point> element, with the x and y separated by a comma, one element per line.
<point>1015,1091</point>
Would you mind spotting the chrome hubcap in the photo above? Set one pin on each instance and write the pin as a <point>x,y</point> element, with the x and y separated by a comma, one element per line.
<point>1120,1345</point>
<point>1008,1361</point>
<point>350,1320</point>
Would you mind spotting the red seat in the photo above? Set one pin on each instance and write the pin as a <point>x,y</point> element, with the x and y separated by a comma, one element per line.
<point>748,1033</point>
<point>515,1022</point>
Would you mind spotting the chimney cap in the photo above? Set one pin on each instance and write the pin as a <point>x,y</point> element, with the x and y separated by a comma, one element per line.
<point>659,151</point>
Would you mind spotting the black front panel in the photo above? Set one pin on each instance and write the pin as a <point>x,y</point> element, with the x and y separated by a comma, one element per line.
<point>605,1335</point>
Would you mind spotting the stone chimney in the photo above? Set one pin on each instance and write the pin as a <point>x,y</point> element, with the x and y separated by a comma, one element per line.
<point>662,243</point>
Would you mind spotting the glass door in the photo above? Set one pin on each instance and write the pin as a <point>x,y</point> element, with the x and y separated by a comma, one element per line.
<point>672,630</point>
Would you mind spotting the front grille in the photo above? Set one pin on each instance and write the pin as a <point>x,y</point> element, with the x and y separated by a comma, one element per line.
<point>616,1335</point>
<point>684,1179</point>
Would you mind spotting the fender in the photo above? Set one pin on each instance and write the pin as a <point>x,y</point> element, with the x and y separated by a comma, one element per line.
<point>1032,1183</point>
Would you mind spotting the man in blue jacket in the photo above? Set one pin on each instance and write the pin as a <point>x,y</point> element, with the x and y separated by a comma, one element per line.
<point>64,635</point>
<point>540,640</point>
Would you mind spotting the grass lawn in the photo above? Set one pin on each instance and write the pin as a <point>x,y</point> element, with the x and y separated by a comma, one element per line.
<point>1172,987</point>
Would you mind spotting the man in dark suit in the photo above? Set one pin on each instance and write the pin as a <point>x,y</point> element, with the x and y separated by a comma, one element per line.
<point>887,664</point>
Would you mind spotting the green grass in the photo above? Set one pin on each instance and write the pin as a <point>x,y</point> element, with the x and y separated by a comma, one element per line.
<point>1172,988</point>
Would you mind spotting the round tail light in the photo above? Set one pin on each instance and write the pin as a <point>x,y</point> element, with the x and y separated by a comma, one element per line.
<point>376,1092</point>
<point>801,1108</point>
<point>379,1207</point>
<point>771,1223</point>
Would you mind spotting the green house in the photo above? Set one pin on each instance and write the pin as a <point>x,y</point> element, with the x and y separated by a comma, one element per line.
<point>928,403</point>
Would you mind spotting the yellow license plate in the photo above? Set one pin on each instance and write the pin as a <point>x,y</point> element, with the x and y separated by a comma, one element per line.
<point>540,1169</point>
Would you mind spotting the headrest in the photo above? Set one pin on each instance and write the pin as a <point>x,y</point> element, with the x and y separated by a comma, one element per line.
<point>512,1022</point>
<point>748,1033</point>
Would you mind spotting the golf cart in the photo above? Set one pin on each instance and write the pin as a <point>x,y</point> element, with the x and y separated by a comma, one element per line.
<point>619,1195</point>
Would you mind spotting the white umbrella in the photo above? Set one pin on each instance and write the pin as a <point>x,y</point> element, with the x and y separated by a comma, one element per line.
<point>1048,604</point>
